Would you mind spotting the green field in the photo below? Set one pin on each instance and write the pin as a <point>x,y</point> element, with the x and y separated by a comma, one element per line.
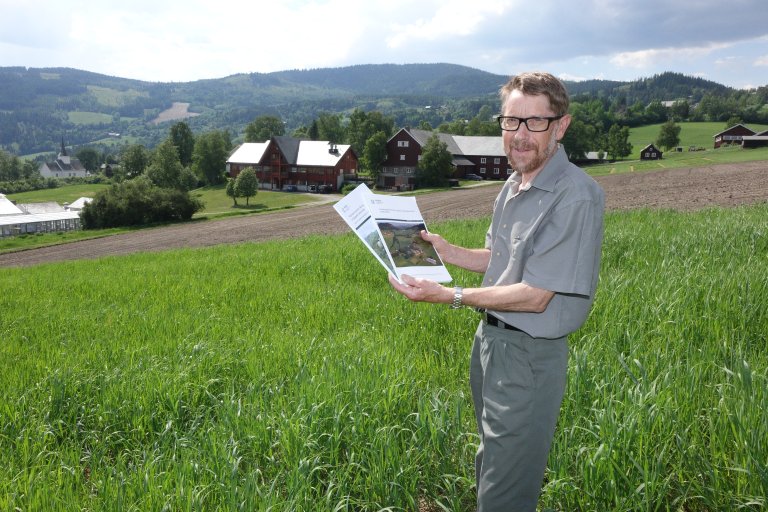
<point>113,97</point>
<point>217,203</point>
<point>699,135</point>
<point>76,117</point>
<point>289,376</point>
<point>691,134</point>
<point>64,194</point>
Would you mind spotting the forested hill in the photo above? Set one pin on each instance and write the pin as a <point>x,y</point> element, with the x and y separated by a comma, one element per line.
<point>40,106</point>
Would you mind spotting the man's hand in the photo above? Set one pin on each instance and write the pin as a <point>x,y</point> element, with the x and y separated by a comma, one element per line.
<point>437,241</point>
<point>422,290</point>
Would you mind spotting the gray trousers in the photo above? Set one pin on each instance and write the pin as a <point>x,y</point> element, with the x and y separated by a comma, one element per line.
<point>517,384</point>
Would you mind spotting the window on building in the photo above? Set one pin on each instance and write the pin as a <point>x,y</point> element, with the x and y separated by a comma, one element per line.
<point>402,158</point>
<point>496,171</point>
<point>482,160</point>
<point>402,143</point>
<point>497,160</point>
<point>482,170</point>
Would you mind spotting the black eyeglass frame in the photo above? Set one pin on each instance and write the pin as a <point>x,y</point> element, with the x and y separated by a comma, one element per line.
<point>524,120</point>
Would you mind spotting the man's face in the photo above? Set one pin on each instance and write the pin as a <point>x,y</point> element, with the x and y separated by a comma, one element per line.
<point>528,151</point>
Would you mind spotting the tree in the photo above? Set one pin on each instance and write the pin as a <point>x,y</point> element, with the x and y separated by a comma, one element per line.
<point>680,110</point>
<point>184,140</point>
<point>362,126</point>
<point>374,154</point>
<point>329,128</point>
<point>209,159</point>
<point>669,135</point>
<point>231,190</point>
<point>165,169</point>
<point>617,144</point>
<point>246,184</point>
<point>456,127</point>
<point>733,121</point>
<point>13,168</point>
<point>655,112</point>
<point>264,128</point>
<point>89,157</point>
<point>313,131</point>
<point>435,165</point>
<point>579,139</point>
<point>134,160</point>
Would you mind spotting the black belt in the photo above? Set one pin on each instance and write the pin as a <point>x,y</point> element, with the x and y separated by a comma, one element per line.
<point>492,320</point>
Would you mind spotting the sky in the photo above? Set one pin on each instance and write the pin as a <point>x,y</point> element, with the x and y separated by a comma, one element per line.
<point>187,40</point>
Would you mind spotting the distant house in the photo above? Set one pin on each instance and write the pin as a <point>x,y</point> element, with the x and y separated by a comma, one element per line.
<point>483,156</point>
<point>64,166</point>
<point>732,135</point>
<point>650,152</point>
<point>289,163</point>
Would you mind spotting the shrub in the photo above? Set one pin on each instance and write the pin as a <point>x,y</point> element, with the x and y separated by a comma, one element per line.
<point>138,202</point>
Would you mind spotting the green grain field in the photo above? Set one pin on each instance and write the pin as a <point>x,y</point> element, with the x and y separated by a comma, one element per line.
<point>288,376</point>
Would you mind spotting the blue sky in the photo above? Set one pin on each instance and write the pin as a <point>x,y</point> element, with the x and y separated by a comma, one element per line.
<point>179,41</point>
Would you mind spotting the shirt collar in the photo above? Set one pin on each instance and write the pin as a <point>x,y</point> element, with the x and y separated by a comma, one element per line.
<point>551,172</point>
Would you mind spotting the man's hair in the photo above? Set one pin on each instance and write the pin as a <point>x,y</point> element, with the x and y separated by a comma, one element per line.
<point>537,83</point>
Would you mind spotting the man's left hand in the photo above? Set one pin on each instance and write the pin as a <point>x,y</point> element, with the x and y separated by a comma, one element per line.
<point>422,290</point>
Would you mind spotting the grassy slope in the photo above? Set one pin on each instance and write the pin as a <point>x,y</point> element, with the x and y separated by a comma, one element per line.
<point>288,375</point>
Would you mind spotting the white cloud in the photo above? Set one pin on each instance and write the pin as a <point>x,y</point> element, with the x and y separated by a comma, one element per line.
<point>183,40</point>
<point>652,57</point>
<point>450,19</point>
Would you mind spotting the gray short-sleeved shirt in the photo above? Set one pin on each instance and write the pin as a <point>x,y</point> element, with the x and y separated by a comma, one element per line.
<point>549,236</point>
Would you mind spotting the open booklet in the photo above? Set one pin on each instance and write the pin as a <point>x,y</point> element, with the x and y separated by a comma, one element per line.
<point>390,227</point>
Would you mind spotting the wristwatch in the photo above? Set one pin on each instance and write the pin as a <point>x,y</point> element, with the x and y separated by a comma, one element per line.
<point>458,294</point>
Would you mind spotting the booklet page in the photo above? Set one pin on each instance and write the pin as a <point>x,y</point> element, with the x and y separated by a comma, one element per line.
<point>390,226</point>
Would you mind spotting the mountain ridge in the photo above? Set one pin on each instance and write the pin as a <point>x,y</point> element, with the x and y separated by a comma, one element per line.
<point>39,106</point>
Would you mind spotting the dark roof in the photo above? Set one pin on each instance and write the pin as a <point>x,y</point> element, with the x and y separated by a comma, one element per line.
<point>422,136</point>
<point>64,163</point>
<point>289,147</point>
<point>746,128</point>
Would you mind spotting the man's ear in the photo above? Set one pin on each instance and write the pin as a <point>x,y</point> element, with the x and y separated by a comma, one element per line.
<point>562,126</point>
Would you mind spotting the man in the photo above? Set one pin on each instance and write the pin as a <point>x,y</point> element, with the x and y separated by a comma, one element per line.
<point>541,261</point>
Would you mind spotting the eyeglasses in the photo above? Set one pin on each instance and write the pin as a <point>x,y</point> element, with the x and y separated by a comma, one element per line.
<point>534,124</point>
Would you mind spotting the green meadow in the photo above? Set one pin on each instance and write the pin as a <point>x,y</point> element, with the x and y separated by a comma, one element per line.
<point>288,376</point>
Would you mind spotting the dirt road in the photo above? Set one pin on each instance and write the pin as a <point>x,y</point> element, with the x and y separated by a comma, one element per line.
<point>679,189</point>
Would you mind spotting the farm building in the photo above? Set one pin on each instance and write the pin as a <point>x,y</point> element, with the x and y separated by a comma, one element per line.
<point>755,141</point>
<point>78,204</point>
<point>732,135</point>
<point>285,163</point>
<point>64,166</point>
<point>483,156</point>
<point>650,152</point>
<point>15,220</point>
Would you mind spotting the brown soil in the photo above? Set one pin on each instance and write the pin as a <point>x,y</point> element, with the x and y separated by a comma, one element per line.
<point>177,111</point>
<point>679,189</point>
